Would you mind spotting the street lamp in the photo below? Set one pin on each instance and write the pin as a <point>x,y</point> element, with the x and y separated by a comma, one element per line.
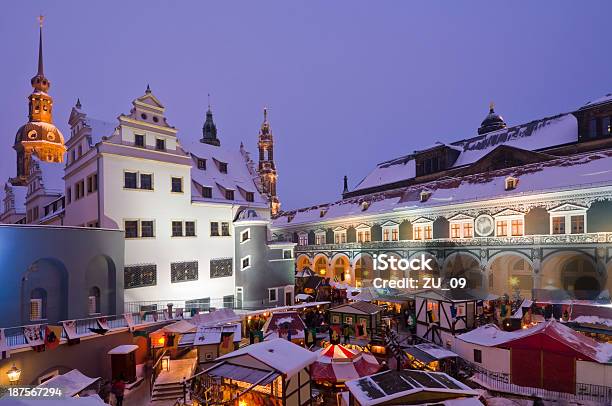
<point>13,374</point>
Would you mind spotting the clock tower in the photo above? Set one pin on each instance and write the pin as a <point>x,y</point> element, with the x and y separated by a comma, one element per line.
<point>266,168</point>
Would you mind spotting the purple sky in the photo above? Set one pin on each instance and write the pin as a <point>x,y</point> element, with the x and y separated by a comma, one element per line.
<point>348,83</point>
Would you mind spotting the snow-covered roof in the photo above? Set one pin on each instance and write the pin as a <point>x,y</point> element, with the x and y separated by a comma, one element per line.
<point>563,173</point>
<point>279,354</point>
<point>71,383</point>
<point>123,349</point>
<point>238,177</point>
<point>279,320</point>
<point>536,135</point>
<point>599,100</point>
<point>491,336</point>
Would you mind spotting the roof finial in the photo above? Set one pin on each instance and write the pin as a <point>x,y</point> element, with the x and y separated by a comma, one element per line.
<point>40,46</point>
<point>78,103</point>
<point>148,89</point>
<point>491,107</point>
<point>265,114</point>
<point>209,102</point>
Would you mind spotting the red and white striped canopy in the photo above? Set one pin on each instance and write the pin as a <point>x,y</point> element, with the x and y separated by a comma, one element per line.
<point>337,364</point>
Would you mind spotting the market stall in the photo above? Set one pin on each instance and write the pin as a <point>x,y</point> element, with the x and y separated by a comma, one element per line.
<point>337,364</point>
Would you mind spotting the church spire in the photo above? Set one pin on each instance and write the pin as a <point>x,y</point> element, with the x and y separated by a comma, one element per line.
<point>38,137</point>
<point>267,169</point>
<point>40,82</point>
<point>209,130</point>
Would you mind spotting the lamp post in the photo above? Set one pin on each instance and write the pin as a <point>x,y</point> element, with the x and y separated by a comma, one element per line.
<point>13,374</point>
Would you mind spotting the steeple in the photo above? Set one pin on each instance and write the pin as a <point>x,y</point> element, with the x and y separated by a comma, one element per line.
<point>266,168</point>
<point>345,189</point>
<point>38,136</point>
<point>209,130</point>
<point>39,81</point>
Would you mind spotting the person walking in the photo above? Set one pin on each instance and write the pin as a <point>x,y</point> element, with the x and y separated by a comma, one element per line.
<point>119,390</point>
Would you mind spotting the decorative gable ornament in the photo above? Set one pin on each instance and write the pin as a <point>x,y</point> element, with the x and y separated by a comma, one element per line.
<point>484,225</point>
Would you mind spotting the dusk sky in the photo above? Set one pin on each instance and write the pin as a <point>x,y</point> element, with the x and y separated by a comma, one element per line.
<point>348,83</point>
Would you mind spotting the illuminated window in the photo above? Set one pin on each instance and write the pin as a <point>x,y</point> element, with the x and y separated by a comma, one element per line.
<point>502,228</point>
<point>455,230</point>
<point>468,230</point>
<point>558,225</point>
<point>320,238</point>
<point>577,224</point>
<point>428,232</point>
<point>302,239</point>
<point>417,233</point>
<point>340,237</point>
<point>517,227</point>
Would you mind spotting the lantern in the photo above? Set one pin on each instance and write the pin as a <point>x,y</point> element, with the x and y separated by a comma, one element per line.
<point>14,374</point>
<point>161,341</point>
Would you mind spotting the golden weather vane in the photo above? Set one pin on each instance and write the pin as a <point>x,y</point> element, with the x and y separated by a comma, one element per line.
<point>41,18</point>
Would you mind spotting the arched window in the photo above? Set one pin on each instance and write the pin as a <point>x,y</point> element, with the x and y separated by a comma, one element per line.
<point>93,301</point>
<point>38,304</point>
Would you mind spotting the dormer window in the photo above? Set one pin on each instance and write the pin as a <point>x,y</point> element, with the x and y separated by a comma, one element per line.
<point>322,212</point>
<point>206,192</point>
<point>160,144</point>
<point>250,196</point>
<point>229,194</point>
<point>201,163</point>
<point>364,206</point>
<point>222,167</point>
<point>511,183</point>
<point>363,234</point>
<point>424,196</point>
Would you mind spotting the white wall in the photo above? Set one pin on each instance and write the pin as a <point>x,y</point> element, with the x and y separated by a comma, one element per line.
<point>163,207</point>
<point>493,359</point>
<point>593,373</point>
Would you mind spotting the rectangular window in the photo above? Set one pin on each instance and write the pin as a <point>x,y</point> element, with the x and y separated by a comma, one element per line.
<point>221,267</point>
<point>577,224</point>
<point>214,229</point>
<point>190,230</point>
<point>222,167</point>
<point>558,225</point>
<point>177,228</point>
<point>129,180</point>
<point>229,194</point>
<point>68,195</point>
<point>427,233</point>
<point>272,294</point>
<point>606,129</point>
<point>89,184</point>
<point>395,234</point>
<point>136,276</point>
<point>417,233</point>
<point>36,309</point>
<point>340,237</point>
<point>146,181</point>
<point>250,196</point>
<point>139,140</point>
<point>160,144</point>
<point>244,236</point>
<point>517,227</point>
<point>201,163</point>
<point>246,262</point>
<point>177,185</point>
<point>320,239</point>
<point>386,234</point>
<point>303,239</point>
<point>206,192</point>
<point>131,229</point>
<point>183,271</point>
<point>287,254</point>
<point>478,356</point>
<point>593,128</point>
<point>468,230</point>
<point>455,230</point>
<point>146,229</point>
<point>225,231</point>
<point>502,228</point>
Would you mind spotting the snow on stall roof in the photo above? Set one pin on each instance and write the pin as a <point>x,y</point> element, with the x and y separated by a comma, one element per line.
<point>71,383</point>
<point>280,354</point>
<point>564,173</point>
<point>593,320</point>
<point>490,335</point>
<point>435,351</point>
<point>536,135</point>
<point>237,176</point>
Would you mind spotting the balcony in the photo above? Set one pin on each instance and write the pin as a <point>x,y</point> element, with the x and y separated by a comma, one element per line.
<point>520,241</point>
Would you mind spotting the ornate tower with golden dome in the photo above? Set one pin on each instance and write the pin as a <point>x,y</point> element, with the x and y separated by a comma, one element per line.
<point>38,137</point>
<point>267,169</point>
